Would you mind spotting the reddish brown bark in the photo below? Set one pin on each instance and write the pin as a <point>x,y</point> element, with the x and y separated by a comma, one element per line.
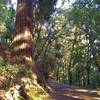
<point>22,41</point>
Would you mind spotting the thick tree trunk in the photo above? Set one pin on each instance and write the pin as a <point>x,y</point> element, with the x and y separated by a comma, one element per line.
<point>21,48</point>
<point>22,41</point>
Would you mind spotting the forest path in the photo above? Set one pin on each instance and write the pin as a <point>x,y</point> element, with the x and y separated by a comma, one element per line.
<point>64,92</point>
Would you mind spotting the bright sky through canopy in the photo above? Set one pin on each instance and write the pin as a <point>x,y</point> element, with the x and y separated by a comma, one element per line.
<point>66,5</point>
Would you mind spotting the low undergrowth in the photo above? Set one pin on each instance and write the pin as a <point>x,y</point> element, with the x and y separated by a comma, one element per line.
<point>17,84</point>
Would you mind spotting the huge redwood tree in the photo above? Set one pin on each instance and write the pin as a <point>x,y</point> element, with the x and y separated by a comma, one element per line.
<point>22,41</point>
<point>27,14</point>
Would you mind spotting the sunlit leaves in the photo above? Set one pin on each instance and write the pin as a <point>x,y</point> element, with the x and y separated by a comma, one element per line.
<point>7,16</point>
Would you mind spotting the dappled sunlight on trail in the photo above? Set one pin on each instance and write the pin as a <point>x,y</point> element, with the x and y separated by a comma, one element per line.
<point>65,92</point>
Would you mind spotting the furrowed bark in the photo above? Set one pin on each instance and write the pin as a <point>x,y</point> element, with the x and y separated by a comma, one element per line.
<point>23,41</point>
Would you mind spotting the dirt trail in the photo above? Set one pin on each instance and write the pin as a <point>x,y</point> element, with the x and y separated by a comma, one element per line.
<point>64,92</point>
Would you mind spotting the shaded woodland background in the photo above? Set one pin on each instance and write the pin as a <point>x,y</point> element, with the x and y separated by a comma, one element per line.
<point>66,43</point>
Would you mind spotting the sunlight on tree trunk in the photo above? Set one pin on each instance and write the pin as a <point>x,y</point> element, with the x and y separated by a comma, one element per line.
<point>22,41</point>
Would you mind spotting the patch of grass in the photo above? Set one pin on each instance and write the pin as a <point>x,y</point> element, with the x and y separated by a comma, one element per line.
<point>37,93</point>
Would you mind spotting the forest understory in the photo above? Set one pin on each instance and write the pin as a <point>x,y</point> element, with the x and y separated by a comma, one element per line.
<point>50,50</point>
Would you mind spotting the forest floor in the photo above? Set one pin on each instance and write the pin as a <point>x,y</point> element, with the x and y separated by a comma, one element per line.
<point>65,92</point>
